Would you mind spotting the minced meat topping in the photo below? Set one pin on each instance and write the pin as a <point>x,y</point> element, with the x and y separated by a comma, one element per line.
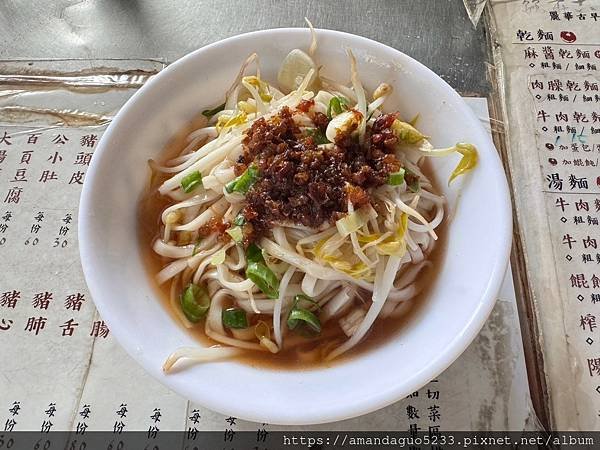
<point>306,184</point>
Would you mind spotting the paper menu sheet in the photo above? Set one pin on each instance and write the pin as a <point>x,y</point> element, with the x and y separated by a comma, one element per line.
<point>550,56</point>
<point>61,367</point>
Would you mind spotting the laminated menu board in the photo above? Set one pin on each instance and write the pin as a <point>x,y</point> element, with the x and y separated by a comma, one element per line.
<point>62,368</point>
<point>547,55</point>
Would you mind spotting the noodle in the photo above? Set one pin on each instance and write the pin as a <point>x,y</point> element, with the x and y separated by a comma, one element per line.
<point>289,211</point>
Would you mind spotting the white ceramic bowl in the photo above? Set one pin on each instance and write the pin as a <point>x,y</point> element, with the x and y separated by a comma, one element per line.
<point>479,236</point>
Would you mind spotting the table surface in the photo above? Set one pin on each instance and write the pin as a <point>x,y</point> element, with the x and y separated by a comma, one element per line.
<point>474,393</point>
<point>436,32</point>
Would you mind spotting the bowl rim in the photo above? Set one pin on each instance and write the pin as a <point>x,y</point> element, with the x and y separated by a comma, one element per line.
<point>385,397</point>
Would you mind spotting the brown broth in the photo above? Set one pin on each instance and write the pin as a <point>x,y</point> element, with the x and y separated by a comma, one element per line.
<point>150,208</point>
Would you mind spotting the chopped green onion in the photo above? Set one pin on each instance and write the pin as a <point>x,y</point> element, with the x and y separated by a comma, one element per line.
<point>236,234</point>
<point>218,258</point>
<point>305,298</point>
<point>245,181</point>
<point>337,106</point>
<point>351,222</point>
<point>396,178</point>
<point>229,186</point>
<point>302,318</point>
<point>254,254</point>
<point>196,245</point>
<point>412,181</point>
<point>194,302</point>
<point>259,273</point>
<point>191,182</point>
<point>239,220</point>
<point>211,112</point>
<point>234,318</point>
<point>299,316</point>
<point>318,136</point>
<point>262,330</point>
<point>264,278</point>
